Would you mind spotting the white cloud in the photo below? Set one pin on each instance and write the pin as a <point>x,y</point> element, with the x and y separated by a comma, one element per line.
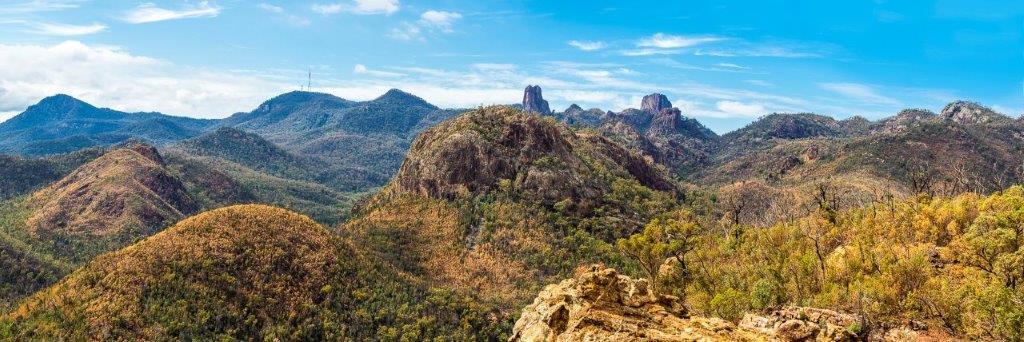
<point>58,29</point>
<point>406,31</point>
<point>270,8</point>
<point>732,66</point>
<point>859,92</point>
<point>362,70</point>
<point>757,51</point>
<point>760,83</point>
<point>741,109</point>
<point>38,6</point>
<point>282,14</point>
<point>666,41</point>
<point>364,7</point>
<point>430,21</point>
<point>149,12</point>
<point>587,45</point>
<point>440,20</point>
<point>112,77</point>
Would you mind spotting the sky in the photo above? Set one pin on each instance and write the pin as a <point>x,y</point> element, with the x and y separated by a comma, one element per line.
<point>725,63</point>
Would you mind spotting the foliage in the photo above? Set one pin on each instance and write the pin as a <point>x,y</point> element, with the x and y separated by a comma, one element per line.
<point>672,236</point>
<point>953,263</point>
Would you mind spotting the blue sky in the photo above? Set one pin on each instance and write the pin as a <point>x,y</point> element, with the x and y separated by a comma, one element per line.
<point>725,63</point>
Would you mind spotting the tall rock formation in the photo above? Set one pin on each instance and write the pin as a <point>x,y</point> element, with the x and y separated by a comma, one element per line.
<point>534,102</point>
<point>654,103</point>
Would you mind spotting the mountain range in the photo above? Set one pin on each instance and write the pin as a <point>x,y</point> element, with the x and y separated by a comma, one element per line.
<point>313,217</point>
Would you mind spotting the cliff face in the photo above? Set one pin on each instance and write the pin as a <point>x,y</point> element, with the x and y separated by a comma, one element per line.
<point>533,101</point>
<point>601,305</point>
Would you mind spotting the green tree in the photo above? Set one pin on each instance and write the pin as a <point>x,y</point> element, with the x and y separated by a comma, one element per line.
<point>671,236</point>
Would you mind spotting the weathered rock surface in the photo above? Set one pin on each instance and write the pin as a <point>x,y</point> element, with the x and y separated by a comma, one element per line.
<point>477,151</point>
<point>533,101</point>
<point>601,305</point>
<point>655,103</point>
<point>964,112</point>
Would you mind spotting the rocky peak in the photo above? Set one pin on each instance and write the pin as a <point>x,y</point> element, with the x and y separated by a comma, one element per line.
<point>655,103</point>
<point>533,101</point>
<point>671,121</point>
<point>964,112</point>
<point>573,109</point>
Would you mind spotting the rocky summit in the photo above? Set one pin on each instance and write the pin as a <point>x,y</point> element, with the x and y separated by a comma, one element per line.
<point>533,101</point>
<point>654,103</point>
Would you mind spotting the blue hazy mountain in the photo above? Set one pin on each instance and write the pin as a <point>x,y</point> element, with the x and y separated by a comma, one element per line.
<point>62,123</point>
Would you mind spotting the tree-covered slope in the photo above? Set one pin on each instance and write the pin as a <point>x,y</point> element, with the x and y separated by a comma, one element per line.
<point>496,201</point>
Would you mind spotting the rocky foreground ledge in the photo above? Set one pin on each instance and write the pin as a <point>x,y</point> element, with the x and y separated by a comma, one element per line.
<point>600,304</point>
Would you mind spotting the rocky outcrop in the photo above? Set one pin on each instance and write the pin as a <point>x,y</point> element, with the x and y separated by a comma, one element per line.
<point>966,113</point>
<point>601,305</point>
<point>477,151</point>
<point>655,103</point>
<point>573,109</point>
<point>670,121</point>
<point>533,101</point>
<point>903,120</point>
<point>806,324</point>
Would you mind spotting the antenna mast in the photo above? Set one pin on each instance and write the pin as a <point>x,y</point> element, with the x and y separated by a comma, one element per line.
<point>309,79</point>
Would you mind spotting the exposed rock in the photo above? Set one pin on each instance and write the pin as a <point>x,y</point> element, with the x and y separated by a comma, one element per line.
<point>670,121</point>
<point>577,116</point>
<point>472,154</point>
<point>655,103</point>
<point>533,101</point>
<point>964,112</point>
<point>573,109</point>
<point>904,119</point>
<point>805,324</point>
<point>599,304</point>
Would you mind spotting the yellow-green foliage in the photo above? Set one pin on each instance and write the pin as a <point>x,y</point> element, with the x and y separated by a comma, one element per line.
<point>244,273</point>
<point>953,263</point>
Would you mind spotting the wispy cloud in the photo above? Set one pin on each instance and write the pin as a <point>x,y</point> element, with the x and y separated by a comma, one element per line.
<point>430,21</point>
<point>149,13</point>
<point>859,92</point>
<point>760,83</point>
<point>587,45</point>
<point>38,6</point>
<point>284,14</point>
<point>58,29</point>
<point>364,7</point>
<point>666,41</point>
<point>440,20</point>
<point>406,31</point>
<point>362,70</point>
<point>757,51</point>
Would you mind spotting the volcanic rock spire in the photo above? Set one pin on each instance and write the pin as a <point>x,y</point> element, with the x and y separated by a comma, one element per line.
<point>533,101</point>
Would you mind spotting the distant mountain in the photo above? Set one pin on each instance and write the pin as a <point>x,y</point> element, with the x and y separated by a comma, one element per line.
<point>363,140</point>
<point>61,123</point>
